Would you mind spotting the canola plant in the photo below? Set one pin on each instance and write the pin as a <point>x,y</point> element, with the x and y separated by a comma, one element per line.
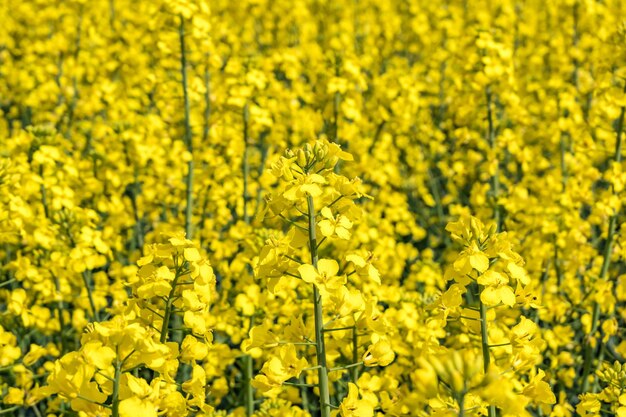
<point>309,208</point>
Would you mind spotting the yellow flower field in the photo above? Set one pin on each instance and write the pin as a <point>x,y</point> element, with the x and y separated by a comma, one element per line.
<point>349,208</point>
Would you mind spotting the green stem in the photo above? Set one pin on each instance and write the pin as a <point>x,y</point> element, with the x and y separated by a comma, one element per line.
<point>620,128</point>
<point>260,169</point>
<point>248,374</point>
<point>434,185</point>
<point>115,403</point>
<point>36,410</point>
<point>44,195</point>
<point>354,372</point>
<point>133,199</point>
<point>563,162</point>
<point>343,368</point>
<point>484,336</point>
<point>337,329</point>
<point>304,395</point>
<point>334,137</point>
<point>491,137</point>
<point>94,312</point>
<point>485,345</point>
<point>575,39</point>
<point>248,389</point>
<point>300,385</point>
<point>588,352</point>
<point>207,102</point>
<point>187,137</point>
<point>168,308</point>
<point>462,406</point>
<point>245,166</point>
<point>9,282</point>
<point>500,345</point>
<point>60,309</point>
<point>495,189</point>
<point>336,103</point>
<point>319,320</point>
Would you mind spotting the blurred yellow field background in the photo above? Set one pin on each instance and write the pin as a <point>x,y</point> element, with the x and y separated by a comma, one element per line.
<point>312,208</point>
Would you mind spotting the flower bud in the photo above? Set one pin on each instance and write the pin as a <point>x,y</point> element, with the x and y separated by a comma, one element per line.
<point>308,151</point>
<point>457,382</point>
<point>320,151</point>
<point>301,159</point>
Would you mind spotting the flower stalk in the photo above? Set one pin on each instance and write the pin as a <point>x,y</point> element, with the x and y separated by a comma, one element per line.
<point>169,308</point>
<point>115,402</point>
<point>484,341</point>
<point>188,135</point>
<point>319,318</point>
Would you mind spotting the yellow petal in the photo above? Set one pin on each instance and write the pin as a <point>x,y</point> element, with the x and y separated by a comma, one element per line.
<point>99,356</point>
<point>492,278</point>
<point>328,267</point>
<point>479,261</point>
<point>133,407</point>
<point>327,228</point>
<point>308,273</point>
<point>489,296</point>
<point>518,273</point>
<point>325,212</point>
<point>312,189</point>
<point>507,295</point>
<point>343,233</point>
<point>191,254</point>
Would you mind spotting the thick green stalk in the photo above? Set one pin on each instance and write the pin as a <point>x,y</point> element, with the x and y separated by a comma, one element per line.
<point>60,309</point>
<point>94,312</point>
<point>112,14</point>
<point>71,108</point>
<point>495,189</point>
<point>495,181</point>
<point>563,162</point>
<point>206,130</point>
<point>484,341</point>
<point>304,395</point>
<point>44,195</point>
<point>245,166</point>
<point>334,137</point>
<point>557,266</point>
<point>133,191</point>
<point>606,262</point>
<point>462,406</point>
<point>336,104</point>
<point>115,402</point>
<point>319,320</point>
<point>484,337</point>
<point>187,137</point>
<point>354,372</point>
<point>575,40</point>
<point>260,169</point>
<point>620,128</point>
<point>248,389</point>
<point>168,309</point>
